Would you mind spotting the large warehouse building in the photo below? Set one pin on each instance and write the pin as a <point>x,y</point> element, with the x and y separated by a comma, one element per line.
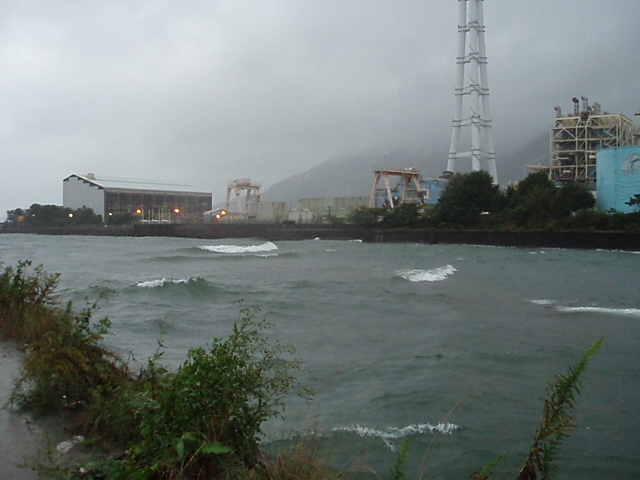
<point>153,202</point>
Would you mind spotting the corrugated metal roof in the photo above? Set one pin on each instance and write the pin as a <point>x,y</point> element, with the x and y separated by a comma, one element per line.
<point>119,184</point>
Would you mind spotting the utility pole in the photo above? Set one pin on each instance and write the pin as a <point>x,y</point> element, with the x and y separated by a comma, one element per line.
<point>472,57</point>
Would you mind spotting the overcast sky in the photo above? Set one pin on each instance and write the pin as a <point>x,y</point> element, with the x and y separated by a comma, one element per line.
<point>203,91</point>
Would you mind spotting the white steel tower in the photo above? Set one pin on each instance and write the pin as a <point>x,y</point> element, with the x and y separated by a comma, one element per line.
<point>476,87</point>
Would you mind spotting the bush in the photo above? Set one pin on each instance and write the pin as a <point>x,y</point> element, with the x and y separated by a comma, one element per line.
<point>206,418</point>
<point>24,293</point>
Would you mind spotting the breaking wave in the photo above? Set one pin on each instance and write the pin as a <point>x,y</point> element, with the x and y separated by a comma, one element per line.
<point>264,247</point>
<point>634,312</point>
<point>433,275</point>
<point>161,282</point>
<point>543,302</point>
<point>390,434</point>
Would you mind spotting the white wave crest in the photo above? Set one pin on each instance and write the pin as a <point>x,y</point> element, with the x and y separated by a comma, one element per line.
<point>433,275</point>
<point>633,312</point>
<point>264,247</point>
<point>389,434</point>
<point>160,282</point>
<point>543,302</point>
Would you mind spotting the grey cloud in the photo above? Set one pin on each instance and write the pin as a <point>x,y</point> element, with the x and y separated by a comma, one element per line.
<point>200,92</point>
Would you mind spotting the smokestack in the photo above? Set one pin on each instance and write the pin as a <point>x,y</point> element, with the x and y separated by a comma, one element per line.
<point>576,106</point>
<point>585,104</point>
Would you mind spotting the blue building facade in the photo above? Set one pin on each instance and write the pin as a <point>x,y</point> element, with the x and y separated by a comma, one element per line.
<point>618,174</point>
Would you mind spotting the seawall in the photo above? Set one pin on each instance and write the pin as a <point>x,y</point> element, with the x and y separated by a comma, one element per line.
<point>274,232</point>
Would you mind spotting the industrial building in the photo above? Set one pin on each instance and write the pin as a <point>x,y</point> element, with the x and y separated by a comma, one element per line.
<point>404,185</point>
<point>151,202</point>
<point>576,138</point>
<point>318,210</point>
<point>247,206</point>
<point>618,171</point>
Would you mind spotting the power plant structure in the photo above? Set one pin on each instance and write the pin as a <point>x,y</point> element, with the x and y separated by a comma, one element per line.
<point>251,189</point>
<point>472,59</point>
<point>577,137</point>
<point>404,185</point>
<point>407,190</point>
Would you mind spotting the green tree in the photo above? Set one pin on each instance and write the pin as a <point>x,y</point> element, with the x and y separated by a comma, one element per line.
<point>634,202</point>
<point>15,216</point>
<point>572,198</point>
<point>121,219</point>
<point>54,216</point>
<point>404,215</point>
<point>467,198</point>
<point>367,217</point>
<point>531,202</point>
<point>86,216</point>
<point>47,215</point>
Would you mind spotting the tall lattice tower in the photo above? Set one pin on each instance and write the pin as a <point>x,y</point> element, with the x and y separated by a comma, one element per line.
<point>475,86</point>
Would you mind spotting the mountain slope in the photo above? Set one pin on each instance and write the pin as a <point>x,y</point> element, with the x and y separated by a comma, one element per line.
<point>352,175</point>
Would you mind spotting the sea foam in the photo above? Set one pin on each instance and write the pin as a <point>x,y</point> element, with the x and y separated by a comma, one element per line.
<point>389,434</point>
<point>634,312</point>
<point>433,275</point>
<point>543,302</point>
<point>264,247</point>
<point>160,282</point>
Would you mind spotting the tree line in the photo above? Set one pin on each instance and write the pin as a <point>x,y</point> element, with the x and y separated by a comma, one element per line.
<point>471,201</point>
<point>57,216</point>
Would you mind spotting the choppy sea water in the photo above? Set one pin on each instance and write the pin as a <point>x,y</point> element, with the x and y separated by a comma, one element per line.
<point>447,345</point>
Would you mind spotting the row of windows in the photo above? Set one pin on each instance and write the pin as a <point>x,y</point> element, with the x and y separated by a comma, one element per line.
<point>157,205</point>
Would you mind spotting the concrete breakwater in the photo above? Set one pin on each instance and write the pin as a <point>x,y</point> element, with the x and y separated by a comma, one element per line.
<point>274,232</point>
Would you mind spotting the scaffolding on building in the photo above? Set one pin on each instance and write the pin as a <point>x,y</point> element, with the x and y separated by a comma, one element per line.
<point>576,138</point>
<point>252,196</point>
<point>407,188</point>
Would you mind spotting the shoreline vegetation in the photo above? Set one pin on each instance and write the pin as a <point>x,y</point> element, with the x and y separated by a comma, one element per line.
<point>201,421</point>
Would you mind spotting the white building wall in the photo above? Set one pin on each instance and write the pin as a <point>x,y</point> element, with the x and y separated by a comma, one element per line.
<point>76,193</point>
<point>271,211</point>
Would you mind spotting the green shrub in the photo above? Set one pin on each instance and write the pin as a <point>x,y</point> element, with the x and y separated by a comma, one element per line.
<point>66,362</point>
<point>207,416</point>
<point>23,292</point>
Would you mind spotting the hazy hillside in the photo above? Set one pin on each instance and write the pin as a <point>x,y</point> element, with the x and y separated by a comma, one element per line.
<point>511,164</point>
<point>353,175</point>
